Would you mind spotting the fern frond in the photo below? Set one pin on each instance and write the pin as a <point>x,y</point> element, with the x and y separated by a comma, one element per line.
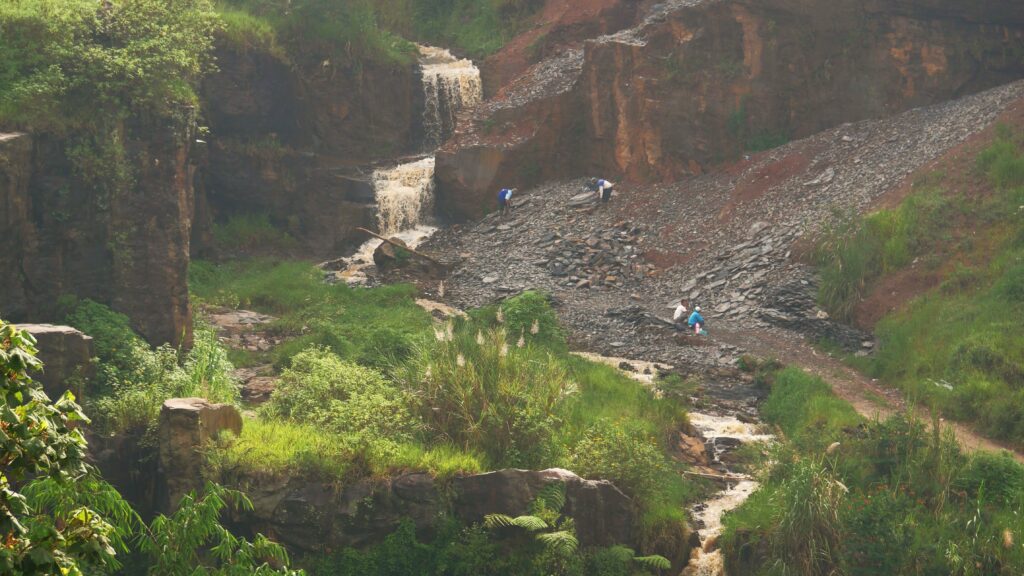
<point>562,542</point>
<point>551,497</point>
<point>654,562</point>
<point>530,523</point>
<point>492,521</point>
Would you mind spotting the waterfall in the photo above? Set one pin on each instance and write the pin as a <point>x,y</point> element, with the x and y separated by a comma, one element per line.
<point>405,193</point>
<point>450,84</point>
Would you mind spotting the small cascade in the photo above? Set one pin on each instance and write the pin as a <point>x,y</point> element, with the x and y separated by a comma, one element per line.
<point>405,201</point>
<point>720,433</point>
<point>405,193</point>
<point>450,84</point>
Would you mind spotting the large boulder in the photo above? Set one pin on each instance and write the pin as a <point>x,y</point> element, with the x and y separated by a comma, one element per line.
<point>186,425</point>
<point>390,254</point>
<point>66,354</point>
<point>315,515</point>
<point>603,514</point>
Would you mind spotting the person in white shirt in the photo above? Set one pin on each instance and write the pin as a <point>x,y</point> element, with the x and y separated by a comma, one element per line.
<point>603,188</point>
<point>679,316</point>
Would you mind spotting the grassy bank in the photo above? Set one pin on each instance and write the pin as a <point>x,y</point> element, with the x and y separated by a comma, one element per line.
<point>960,346</point>
<point>889,498</point>
<point>371,385</point>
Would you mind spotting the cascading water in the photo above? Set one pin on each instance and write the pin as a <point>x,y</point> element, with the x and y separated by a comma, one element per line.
<point>405,193</point>
<point>707,560</point>
<point>450,84</point>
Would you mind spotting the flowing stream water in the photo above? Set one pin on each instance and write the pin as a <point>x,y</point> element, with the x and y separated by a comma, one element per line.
<point>405,193</point>
<point>720,433</point>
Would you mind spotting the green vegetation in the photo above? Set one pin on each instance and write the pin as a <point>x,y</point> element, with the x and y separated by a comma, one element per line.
<point>371,327</point>
<point>345,30</point>
<point>250,234</point>
<point>542,543</point>
<point>133,379</point>
<point>475,27</point>
<point>959,347</point>
<point>888,498</point>
<point>59,517</point>
<point>77,69</point>
<point>371,385</point>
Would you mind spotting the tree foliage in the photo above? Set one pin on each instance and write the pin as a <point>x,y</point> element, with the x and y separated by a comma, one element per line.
<point>82,63</point>
<point>39,442</point>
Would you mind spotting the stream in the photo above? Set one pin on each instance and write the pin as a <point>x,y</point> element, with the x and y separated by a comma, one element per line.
<point>721,434</point>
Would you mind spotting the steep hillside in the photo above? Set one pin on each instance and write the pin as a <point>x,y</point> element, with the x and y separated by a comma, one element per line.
<point>696,83</point>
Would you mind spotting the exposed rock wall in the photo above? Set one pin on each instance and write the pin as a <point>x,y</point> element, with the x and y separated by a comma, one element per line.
<point>128,248</point>
<point>285,139</point>
<point>699,82</point>
<point>316,516</point>
<point>186,426</point>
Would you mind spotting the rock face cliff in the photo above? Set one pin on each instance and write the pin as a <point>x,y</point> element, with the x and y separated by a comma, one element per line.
<point>699,82</point>
<point>127,248</point>
<point>286,139</point>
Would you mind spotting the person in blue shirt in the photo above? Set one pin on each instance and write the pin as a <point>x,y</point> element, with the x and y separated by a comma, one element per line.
<point>603,188</point>
<point>696,322</point>
<point>505,199</point>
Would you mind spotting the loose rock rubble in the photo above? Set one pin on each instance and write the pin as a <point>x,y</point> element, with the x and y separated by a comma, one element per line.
<point>725,241</point>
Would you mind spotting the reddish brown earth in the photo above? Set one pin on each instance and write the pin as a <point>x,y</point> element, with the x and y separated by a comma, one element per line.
<point>957,172</point>
<point>559,25</point>
<point>696,83</point>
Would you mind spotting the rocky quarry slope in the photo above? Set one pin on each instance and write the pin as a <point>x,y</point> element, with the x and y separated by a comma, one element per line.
<point>697,82</point>
<point>725,240</point>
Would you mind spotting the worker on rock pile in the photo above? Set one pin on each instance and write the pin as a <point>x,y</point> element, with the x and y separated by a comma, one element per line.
<point>603,188</point>
<point>696,322</point>
<point>679,316</point>
<point>505,200</point>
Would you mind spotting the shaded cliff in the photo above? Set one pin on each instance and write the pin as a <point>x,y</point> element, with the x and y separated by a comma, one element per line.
<point>286,138</point>
<point>126,246</point>
<point>700,82</point>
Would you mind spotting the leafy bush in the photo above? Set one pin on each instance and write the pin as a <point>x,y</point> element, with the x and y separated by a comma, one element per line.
<point>319,388</point>
<point>133,379</point>
<point>623,453</point>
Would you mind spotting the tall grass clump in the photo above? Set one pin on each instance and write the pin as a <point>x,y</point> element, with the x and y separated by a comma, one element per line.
<point>853,252</point>
<point>133,379</point>
<point>859,497</point>
<point>484,391</point>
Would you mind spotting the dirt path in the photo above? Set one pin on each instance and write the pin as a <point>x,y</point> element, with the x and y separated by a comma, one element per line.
<point>868,397</point>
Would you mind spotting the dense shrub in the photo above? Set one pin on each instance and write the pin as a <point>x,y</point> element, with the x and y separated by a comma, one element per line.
<point>134,379</point>
<point>623,453</point>
<point>890,498</point>
<point>319,388</point>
